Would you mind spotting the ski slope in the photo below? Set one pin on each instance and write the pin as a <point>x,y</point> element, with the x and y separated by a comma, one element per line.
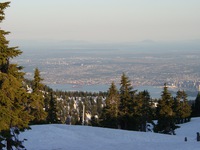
<point>68,137</point>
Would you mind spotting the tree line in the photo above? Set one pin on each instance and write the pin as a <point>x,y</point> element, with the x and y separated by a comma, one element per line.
<point>127,109</point>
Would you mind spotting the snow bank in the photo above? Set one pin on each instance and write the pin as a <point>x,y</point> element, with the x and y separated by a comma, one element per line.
<point>67,137</point>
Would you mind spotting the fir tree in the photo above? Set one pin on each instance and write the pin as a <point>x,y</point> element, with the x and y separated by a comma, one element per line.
<point>181,107</point>
<point>52,110</point>
<point>178,107</point>
<point>111,109</point>
<point>99,105</point>
<point>6,52</point>
<point>37,85</point>
<point>13,97</point>
<point>36,100</point>
<point>196,106</point>
<point>126,102</point>
<point>142,110</point>
<point>165,113</point>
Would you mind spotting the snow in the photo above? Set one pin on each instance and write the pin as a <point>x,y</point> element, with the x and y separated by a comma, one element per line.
<point>69,137</point>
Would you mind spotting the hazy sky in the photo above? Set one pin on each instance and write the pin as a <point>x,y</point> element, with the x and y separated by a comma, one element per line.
<point>104,20</point>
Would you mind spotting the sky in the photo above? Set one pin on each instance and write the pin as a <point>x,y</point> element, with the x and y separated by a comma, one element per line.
<point>104,20</point>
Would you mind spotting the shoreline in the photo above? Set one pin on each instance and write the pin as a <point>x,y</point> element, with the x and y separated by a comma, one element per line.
<point>155,91</point>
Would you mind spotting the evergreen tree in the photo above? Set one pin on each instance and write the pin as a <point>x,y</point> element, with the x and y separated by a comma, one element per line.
<point>186,108</point>
<point>36,100</point>
<point>111,109</point>
<point>13,97</point>
<point>63,110</point>
<point>165,113</point>
<point>94,110</point>
<point>178,107</point>
<point>196,107</point>
<point>181,107</point>
<point>142,110</point>
<point>52,110</point>
<point>126,103</point>
<point>99,103</point>
<point>37,85</point>
<point>6,52</point>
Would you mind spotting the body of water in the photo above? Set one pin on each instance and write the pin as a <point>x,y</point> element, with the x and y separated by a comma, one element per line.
<point>155,91</point>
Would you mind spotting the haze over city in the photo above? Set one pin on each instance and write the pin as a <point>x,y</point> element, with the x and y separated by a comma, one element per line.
<point>104,21</point>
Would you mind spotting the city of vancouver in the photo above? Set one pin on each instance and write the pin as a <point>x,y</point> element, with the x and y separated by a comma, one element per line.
<point>100,75</point>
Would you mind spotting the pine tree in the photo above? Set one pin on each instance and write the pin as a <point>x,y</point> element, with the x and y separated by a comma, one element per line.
<point>196,107</point>
<point>111,109</point>
<point>165,113</point>
<point>142,110</point>
<point>99,105</point>
<point>126,103</point>
<point>186,108</point>
<point>178,107</point>
<point>181,107</point>
<point>36,100</point>
<point>52,110</point>
<point>13,97</point>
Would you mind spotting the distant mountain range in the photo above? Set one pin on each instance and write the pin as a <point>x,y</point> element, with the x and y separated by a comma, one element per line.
<point>142,46</point>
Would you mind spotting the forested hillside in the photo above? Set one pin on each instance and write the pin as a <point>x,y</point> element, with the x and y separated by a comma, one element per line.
<point>123,108</point>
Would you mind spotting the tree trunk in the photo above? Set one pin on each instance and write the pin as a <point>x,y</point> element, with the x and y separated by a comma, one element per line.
<point>9,144</point>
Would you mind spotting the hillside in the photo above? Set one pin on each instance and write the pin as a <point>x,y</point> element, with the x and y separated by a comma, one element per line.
<point>66,137</point>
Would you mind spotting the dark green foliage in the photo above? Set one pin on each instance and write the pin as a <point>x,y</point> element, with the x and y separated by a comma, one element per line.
<point>13,97</point>
<point>12,139</point>
<point>126,103</point>
<point>181,107</point>
<point>99,105</point>
<point>127,109</point>
<point>196,106</point>
<point>36,100</point>
<point>6,52</point>
<point>37,85</point>
<point>3,6</point>
<point>111,109</point>
<point>52,110</point>
<point>63,108</point>
<point>143,112</point>
<point>165,113</point>
<point>94,121</point>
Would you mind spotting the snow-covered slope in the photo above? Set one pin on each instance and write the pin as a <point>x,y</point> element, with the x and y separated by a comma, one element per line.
<point>67,137</point>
